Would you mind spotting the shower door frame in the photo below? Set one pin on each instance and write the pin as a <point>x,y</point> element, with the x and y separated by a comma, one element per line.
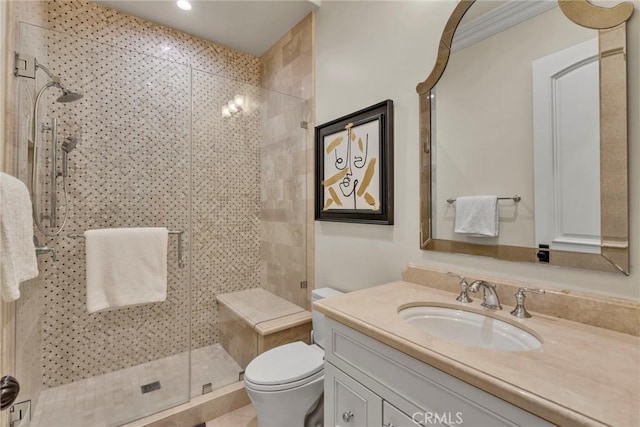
<point>7,132</point>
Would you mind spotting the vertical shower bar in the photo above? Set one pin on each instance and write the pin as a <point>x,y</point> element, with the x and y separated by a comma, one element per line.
<point>54,172</point>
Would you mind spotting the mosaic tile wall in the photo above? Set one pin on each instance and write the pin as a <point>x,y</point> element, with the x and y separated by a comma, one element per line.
<point>131,168</point>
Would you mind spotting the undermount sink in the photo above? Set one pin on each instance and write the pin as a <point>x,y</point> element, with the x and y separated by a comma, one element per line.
<point>469,328</point>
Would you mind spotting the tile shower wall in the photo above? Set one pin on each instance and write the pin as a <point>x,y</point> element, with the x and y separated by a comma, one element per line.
<point>282,196</point>
<point>118,167</point>
<point>131,168</point>
<point>286,237</point>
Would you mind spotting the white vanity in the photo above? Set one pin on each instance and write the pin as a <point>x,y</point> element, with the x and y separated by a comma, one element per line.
<point>368,383</point>
<point>381,370</point>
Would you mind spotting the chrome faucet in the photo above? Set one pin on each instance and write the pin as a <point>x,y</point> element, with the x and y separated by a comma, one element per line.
<point>490,298</point>
<point>464,287</point>
<point>520,311</point>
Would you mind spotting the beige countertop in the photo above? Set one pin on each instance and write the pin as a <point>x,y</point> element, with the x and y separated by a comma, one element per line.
<point>582,375</point>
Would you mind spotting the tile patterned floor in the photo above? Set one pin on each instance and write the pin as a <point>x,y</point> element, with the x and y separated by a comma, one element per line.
<point>116,398</point>
<point>243,417</point>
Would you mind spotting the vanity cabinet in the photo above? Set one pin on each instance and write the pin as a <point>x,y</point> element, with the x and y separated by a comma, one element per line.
<point>354,405</point>
<point>370,384</point>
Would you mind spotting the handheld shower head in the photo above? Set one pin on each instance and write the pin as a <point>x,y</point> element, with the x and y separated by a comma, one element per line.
<point>69,144</point>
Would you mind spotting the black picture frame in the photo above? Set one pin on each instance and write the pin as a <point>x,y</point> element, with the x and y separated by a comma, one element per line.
<point>347,191</point>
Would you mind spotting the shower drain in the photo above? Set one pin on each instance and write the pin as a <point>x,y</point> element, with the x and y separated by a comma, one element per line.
<point>148,388</point>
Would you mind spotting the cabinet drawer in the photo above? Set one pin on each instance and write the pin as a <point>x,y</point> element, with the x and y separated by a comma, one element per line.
<point>393,417</point>
<point>347,403</point>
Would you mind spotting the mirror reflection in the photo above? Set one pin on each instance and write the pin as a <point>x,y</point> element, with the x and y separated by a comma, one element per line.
<point>525,114</point>
<point>516,112</point>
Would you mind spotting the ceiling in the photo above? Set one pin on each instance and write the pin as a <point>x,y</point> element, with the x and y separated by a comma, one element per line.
<point>252,26</point>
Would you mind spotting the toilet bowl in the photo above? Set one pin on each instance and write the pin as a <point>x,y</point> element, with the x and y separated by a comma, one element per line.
<point>286,383</point>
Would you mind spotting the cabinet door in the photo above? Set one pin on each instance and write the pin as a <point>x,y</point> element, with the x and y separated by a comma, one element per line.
<point>347,403</point>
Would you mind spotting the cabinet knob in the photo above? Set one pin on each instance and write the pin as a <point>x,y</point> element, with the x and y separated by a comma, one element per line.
<point>389,424</point>
<point>347,416</point>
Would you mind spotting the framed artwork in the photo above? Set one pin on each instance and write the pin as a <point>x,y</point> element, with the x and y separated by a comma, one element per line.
<point>354,167</point>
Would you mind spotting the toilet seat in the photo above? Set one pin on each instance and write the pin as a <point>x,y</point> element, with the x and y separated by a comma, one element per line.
<point>285,367</point>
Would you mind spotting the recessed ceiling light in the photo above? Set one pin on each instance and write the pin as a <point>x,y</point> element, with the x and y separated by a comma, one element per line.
<point>184,4</point>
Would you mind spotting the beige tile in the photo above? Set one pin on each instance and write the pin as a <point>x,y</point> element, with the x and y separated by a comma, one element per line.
<point>243,417</point>
<point>237,336</point>
<point>200,409</point>
<point>288,68</point>
<point>257,305</point>
<point>285,336</point>
<point>282,323</point>
<point>114,398</point>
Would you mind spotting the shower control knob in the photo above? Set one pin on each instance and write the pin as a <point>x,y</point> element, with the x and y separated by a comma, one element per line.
<point>347,416</point>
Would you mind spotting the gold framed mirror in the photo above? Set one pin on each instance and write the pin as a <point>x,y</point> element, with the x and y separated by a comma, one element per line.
<point>558,158</point>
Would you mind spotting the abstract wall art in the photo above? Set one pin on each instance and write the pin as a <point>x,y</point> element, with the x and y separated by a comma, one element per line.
<point>354,167</point>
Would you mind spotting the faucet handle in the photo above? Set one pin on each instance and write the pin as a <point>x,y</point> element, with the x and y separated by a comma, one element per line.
<point>47,250</point>
<point>533,291</point>
<point>520,311</point>
<point>464,287</point>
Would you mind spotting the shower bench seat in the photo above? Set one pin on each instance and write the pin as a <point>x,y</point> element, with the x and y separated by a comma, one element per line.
<point>255,320</point>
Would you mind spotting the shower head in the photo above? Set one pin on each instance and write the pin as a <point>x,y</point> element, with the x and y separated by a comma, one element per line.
<point>69,144</point>
<point>68,96</point>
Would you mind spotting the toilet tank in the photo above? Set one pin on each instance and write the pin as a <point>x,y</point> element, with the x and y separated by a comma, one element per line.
<point>318,318</point>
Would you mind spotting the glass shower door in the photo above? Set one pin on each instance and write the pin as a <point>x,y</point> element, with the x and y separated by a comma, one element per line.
<point>130,168</point>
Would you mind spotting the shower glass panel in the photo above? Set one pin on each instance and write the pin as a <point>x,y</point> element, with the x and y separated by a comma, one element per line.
<point>249,211</point>
<point>284,199</point>
<point>130,168</point>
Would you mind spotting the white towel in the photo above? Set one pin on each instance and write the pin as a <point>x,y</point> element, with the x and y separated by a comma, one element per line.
<point>126,266</point>
<point>477,216</point>
<point>17,253</point>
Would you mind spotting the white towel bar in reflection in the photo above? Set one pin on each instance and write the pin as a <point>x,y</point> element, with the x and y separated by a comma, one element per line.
<point>179,233</point>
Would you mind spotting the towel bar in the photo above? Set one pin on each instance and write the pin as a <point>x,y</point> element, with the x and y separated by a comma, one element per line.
<point>179,233</point>
<point>515,198</point>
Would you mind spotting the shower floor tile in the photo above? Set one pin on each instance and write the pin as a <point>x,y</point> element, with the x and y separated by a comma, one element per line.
<point>116,398</point>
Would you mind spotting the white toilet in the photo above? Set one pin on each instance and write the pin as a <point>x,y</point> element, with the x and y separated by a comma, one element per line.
<point>285,383</point>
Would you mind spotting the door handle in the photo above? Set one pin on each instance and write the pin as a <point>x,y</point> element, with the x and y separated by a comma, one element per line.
<point>9,390</point>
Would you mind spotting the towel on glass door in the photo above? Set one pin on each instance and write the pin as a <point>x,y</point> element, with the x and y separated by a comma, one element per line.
<point>126,266</point>
<point>17,252</point>
<point>477,216</point>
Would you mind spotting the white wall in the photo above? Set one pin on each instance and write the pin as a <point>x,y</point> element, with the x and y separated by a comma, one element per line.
<point>370,51</point>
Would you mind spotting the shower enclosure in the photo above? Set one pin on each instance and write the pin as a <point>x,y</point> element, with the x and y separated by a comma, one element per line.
<point>152,148</point>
